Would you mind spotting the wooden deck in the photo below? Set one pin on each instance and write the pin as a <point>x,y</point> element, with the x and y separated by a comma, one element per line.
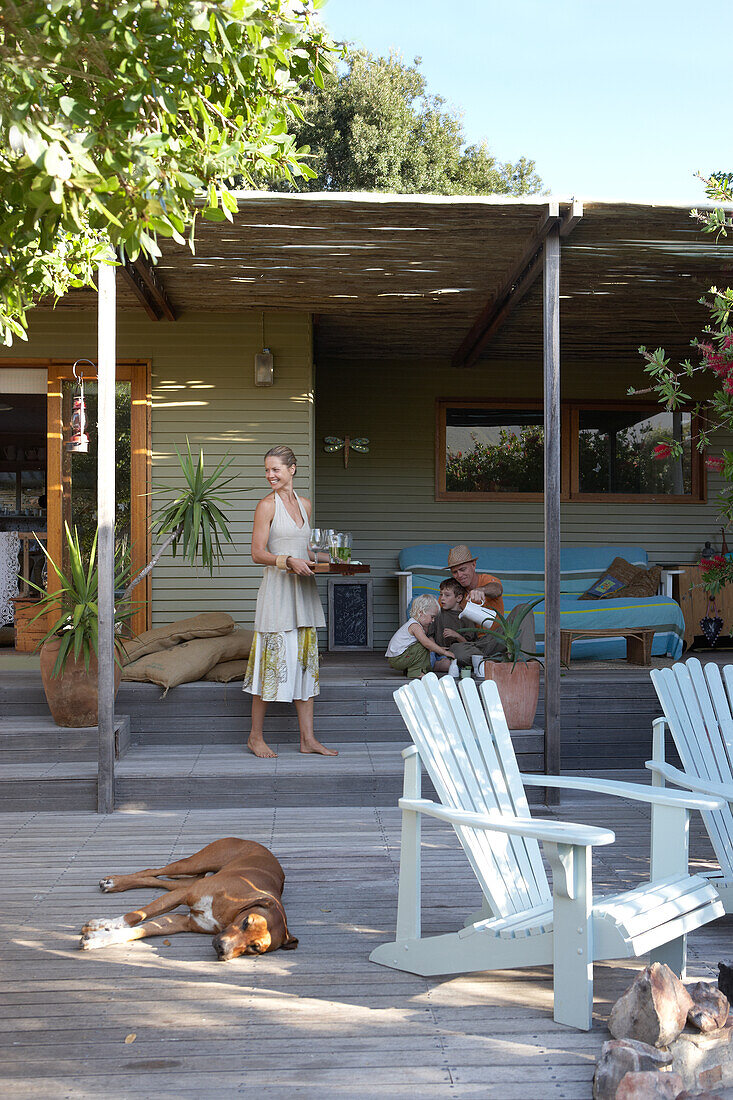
<point>320,1022</point>
<point>186,749</point>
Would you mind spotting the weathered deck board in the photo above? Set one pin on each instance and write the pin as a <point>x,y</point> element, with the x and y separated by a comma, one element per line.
<point>318,1022</point>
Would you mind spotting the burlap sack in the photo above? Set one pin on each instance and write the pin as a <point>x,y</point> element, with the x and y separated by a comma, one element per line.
<point>226,671</point>
<point>189,661</point>
<point>212,624</point>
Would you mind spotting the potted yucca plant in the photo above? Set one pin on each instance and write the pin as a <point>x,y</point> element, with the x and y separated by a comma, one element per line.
<point>193,520</point>
<point>69,649</point>
<point>515,670</point>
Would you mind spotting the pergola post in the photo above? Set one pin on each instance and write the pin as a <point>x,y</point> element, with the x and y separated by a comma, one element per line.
<point>106,374</point>
<point>551,335</point>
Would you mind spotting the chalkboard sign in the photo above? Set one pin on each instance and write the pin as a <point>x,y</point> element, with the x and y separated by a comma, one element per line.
<point>350,613</point>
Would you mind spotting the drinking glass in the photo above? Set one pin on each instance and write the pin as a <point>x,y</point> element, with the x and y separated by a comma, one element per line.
<point>341,547</point>
<point>317,540</point>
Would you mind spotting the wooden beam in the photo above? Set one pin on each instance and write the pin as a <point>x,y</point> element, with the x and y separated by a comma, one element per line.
<point>147,285</point>
<point>106,438</point>
<point>551,334</point>
<point>520,279</point>
<point>572,217</point>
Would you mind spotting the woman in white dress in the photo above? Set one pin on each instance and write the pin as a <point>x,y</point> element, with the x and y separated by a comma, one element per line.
<point>283,662</point>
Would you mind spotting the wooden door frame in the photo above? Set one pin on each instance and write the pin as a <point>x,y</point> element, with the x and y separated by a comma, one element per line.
<point>137,372</point>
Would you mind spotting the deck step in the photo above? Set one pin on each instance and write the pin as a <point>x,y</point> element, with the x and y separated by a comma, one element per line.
<point>207,777</point>
<point>37,739</point>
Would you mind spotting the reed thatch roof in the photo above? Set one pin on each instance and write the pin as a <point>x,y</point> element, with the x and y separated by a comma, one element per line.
<point>403,275</point>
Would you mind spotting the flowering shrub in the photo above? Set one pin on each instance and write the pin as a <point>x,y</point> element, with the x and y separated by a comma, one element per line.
<point>714,353</point>
<point>716,572</point>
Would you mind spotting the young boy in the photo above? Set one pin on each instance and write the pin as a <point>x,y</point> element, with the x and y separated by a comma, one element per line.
<point>410,648</point>
<point>470,647</point>
<point>447,625</point>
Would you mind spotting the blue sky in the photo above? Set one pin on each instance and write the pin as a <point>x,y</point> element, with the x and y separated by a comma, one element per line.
<point>613,100</point>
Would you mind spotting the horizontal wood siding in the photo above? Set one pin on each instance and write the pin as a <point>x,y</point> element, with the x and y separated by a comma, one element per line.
<point>202,388</point>
<point>387,498</point>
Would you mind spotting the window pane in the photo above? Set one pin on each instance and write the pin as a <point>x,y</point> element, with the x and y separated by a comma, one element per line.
<point>494,450</point>
<point>616,447</point>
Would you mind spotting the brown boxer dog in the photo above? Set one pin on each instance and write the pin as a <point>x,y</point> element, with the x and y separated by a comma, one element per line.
<point>232,887</point>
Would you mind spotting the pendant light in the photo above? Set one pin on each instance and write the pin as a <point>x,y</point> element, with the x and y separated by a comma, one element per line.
<point>264,363</point>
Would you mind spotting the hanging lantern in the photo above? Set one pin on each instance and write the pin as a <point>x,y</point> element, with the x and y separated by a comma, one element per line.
<point>78,441</point>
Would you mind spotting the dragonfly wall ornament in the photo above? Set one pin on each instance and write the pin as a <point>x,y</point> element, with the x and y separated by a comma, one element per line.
<point>336,443</point>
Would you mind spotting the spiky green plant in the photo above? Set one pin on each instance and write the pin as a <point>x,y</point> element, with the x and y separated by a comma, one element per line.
<point>194,519</point>
<point>75,603</point>
<point>507,630</point>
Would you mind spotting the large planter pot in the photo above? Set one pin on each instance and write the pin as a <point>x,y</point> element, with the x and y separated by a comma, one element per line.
<point>72,696</point>
<point>519,690</point>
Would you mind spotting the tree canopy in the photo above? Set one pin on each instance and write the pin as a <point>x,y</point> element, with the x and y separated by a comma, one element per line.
<point>116,117</point>
<point>373,126</point>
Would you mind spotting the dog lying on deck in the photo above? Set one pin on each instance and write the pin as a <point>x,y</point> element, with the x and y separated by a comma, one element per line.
<point>232,887</point>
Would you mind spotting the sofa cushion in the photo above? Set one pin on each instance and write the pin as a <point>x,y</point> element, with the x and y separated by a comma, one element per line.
<point>617,577</point>
<point>645,583</point>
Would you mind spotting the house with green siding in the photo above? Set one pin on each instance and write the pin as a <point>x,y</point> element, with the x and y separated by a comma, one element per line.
<point>413,321</point>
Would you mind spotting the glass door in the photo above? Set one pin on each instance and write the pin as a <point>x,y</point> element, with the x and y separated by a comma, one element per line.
<point>72,476</point>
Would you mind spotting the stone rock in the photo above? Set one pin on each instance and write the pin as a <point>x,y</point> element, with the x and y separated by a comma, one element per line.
<point>725,979</point>
<point>704,1060</point>
<point>621,1056</point>
<point>653,1009</point>
<point>699,1096</point>
<point>710,1006</point>
<point>648,1085</point>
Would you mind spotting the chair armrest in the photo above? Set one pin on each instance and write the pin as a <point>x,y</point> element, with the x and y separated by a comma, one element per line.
<point>693,783</point>
<point>636,792</point>
<point>557,832</point>
<point>411,750</point>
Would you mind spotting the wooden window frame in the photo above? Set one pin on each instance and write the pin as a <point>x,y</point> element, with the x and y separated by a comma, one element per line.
<point>698,494</point>
<point>441,493</point>
<point>569,475</point>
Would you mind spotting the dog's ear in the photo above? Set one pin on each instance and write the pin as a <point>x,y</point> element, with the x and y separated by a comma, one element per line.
<point>290,943</point>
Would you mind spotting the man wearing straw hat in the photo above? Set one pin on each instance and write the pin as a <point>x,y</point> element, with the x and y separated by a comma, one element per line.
<point>481,588</point>
<point>485,589</point>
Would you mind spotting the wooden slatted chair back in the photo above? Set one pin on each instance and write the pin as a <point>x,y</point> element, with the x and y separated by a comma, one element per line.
<point>467,751</point>
<point>697,707</point>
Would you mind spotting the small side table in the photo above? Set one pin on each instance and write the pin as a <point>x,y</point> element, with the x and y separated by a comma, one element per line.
<point>350,613</point>
<point>667,582</point>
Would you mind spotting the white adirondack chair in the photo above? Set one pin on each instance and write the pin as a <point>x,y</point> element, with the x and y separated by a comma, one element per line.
<point>697,708</point>
<point>467,751</point>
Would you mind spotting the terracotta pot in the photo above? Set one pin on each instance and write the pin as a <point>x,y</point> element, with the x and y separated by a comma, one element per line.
<point>519,690</point>
<point>72,696</point>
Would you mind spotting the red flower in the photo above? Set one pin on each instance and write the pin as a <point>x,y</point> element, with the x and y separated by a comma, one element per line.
<point>728,384</point>
<point>662,450</point>
<point>713,563</point>
<point>715,464</point>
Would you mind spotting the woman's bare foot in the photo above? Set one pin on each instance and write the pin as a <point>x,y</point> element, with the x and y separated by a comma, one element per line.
<point>259,747</point>
<point>312,745</point>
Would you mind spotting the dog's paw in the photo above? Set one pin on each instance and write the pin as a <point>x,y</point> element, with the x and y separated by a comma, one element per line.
<point>96,925</point>
<point>102,933</point>
<point>104,924</point>
<point>106,885</point>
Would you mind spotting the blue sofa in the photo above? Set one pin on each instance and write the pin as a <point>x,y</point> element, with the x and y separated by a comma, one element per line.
<point>521,571</point>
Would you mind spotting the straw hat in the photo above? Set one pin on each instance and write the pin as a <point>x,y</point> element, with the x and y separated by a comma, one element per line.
<point>459,555</point>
